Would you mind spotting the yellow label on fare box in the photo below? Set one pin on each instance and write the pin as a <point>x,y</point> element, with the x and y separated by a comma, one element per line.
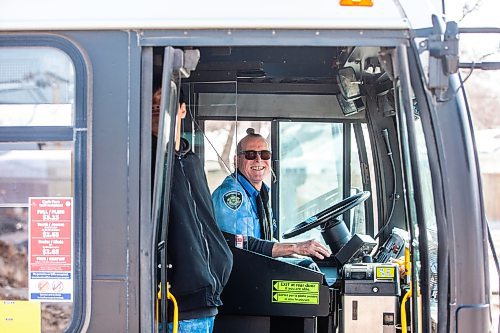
<point>20,317</point>
<point>295,292</point>
<point>385,273</point>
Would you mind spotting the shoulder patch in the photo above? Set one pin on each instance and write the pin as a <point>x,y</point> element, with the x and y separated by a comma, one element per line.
<point>233,199</point>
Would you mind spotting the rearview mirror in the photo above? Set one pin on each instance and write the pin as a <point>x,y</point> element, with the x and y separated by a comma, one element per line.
<point>349,86</point>
<point>350,106</point>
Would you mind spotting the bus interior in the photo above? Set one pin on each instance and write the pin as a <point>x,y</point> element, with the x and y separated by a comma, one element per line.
<point>336,119</point>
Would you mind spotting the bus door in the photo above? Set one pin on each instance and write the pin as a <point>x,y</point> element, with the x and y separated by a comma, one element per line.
<point>446,183</point>
<point>176,65</point>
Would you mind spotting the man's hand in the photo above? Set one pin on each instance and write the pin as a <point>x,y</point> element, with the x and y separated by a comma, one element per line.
<point>312,248</point>
<point>307,248</point>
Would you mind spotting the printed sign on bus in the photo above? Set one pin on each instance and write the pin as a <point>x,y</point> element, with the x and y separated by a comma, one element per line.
<point>51,249</point>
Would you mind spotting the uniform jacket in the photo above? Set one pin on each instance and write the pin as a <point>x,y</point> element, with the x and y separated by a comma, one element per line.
<point>236,212</point>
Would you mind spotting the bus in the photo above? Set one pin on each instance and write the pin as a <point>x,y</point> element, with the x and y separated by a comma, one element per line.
<point>373,153</point>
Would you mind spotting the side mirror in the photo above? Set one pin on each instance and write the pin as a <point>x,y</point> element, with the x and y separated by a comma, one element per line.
<point>350,106</point>
<point>349,86</point>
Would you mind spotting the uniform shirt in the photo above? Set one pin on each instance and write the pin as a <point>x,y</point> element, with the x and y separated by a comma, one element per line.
<point>236,207</point>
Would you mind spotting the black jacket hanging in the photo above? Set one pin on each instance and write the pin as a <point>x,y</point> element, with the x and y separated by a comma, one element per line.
<point>199,258</point>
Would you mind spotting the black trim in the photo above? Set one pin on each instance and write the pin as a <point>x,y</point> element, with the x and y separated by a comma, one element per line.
<point>485,65</point>
<point>275,186</point>
<point>303,120</point>
<point>275,88</point>
<point>414,199</point>
<point>430,130</point>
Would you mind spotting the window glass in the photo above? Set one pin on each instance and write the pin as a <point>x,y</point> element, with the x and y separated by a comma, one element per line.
<point>220,147</point>
<point>358,222</point>
<point>36,169</point>
<point>483,94</point>
<point>36,87</point>
<point>371,172</point>
<point>429,216</point>
<point>310,172</point>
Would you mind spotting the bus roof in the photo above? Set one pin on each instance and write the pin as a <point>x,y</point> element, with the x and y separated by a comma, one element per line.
<point>29,15</point>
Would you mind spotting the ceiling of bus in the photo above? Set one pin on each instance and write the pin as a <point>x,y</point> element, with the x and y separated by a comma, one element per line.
<point>260,75</point>
<point>277,70</point>
<point>272,64</point>
<point>271,69</point>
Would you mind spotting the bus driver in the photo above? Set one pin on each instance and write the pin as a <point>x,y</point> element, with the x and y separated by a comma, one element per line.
<point>242,204</point>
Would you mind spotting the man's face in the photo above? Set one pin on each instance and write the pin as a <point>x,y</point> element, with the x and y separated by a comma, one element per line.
<point>155,115</point>
<point>258,169</point>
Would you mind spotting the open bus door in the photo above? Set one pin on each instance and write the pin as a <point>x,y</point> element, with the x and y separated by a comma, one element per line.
<point>174,67</point>
<point>403,107</point>
<point>458,222</point>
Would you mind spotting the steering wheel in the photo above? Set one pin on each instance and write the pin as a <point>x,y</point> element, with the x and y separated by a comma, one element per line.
<point>327,215</point>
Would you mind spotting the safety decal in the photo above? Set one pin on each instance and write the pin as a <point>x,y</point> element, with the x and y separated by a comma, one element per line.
<point>387,273</point>
<point>233,199</point>
<point>295,292</point>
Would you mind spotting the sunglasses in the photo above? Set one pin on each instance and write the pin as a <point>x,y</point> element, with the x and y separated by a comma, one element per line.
<point>252,154</point>
<point>155,110</point>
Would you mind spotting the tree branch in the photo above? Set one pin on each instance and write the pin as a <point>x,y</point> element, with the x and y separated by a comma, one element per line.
<point>466,9</point>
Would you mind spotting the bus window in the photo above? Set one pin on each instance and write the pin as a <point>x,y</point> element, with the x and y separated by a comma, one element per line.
<point>368,175</point>
<point>361,168</point>
<point>36,169</point>
<point>431,248</point>
<point>36,88</point>
<point>219,158</point>
<point>40,196</point>
<point>310,171</point>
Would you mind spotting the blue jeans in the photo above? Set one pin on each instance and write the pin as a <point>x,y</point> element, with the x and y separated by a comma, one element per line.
<point>198,325</point>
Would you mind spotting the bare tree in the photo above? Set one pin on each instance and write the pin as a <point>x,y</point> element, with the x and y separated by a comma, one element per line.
<point>467,9</point>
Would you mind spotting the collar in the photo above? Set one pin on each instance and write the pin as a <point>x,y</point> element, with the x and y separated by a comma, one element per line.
<point>247,186</point>
<point>184,149</point>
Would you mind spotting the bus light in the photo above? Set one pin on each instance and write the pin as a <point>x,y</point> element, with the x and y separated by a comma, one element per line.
<point>367,3</point>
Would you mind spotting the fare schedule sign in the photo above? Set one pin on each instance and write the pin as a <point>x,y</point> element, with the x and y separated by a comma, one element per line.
<point>51,249</point>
